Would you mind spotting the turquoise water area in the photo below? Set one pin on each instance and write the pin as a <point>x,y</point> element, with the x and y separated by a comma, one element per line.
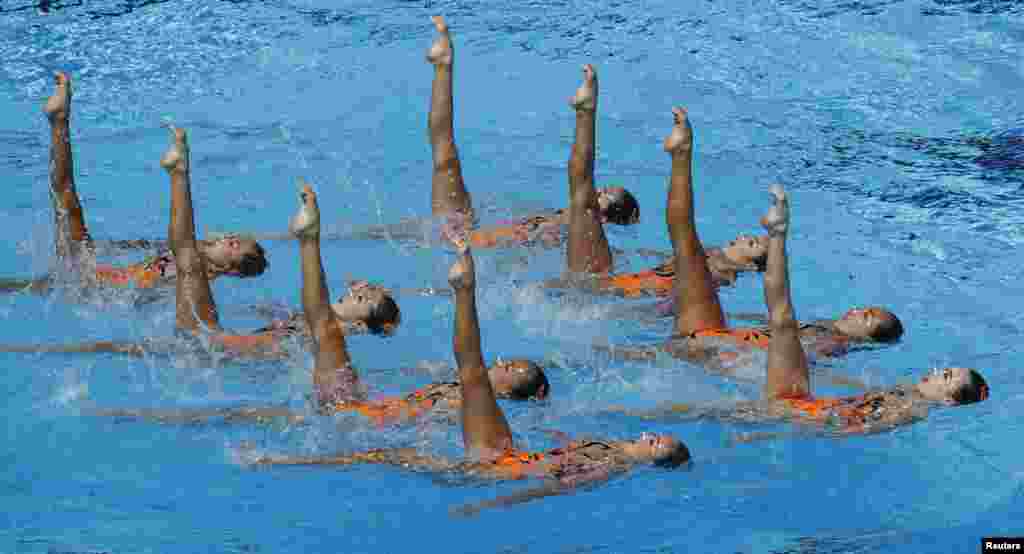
<point>894,124</point>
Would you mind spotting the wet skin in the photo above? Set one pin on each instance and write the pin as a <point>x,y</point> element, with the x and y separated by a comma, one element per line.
<point>787,391</point>
<point>75,248</point>
<point>487,437</point>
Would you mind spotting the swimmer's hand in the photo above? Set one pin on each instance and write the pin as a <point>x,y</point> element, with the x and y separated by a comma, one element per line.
<point>462,275</point>
<point>305,224</point>
<point>776,221</point>
<point>681,137</point>
<point>176,157</point>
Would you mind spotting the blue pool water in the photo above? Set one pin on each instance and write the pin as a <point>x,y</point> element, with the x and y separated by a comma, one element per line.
<point>896,126</point>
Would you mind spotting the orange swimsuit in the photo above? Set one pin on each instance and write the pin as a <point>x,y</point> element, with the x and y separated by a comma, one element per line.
<point>525,231</point>
<point>390,409</point>
<point>757,338</point>
<point>830,345</point>
<point>144,275</point>
<point>851,411</point>
<point>516,464</point>
<point>657,280</point>
<point>815,408</point>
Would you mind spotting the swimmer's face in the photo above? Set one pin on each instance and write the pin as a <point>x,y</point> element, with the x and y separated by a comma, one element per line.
<point>518,379</point>
<point>368,306</point>
<point>618,206</point>
<point>941,385</point>
<point>608,196</point>
<point>660,450</point>
<point>870,324</point>
<point>747,250</point>
<point>234,255</point>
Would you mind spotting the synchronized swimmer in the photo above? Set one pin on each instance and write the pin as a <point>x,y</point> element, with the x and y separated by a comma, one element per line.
<point>691,277</point>
<point>700,328</point>
<point>486,434</point>
<point>338,389</point>
<point>228,255</point>
<point>787,392</point>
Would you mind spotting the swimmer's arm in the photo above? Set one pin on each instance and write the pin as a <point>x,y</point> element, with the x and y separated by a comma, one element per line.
<point>295,324</point>
<point>847,431</point>
<point>266,344</point>
<point>260,414</point>
<point>693,352</point>
<point>520,497</point>
<point>884,425</point>
<point>132,349</point>
<point>661,412</point>
<point>412,230</point>
<point>564,485</point>
<point>38,285</point>
<point>426,291</point>
<point>682,411</point>
<point>754,436</point>
<point>401,457</point>
<point>271,311</point>
<point>598,284</point>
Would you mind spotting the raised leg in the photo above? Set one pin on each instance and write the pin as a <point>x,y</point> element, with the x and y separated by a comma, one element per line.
<point>195,308</point>
<point>697,304</point>
<point>447,192</point>
<point>588,250</point>
<point>485,432</point>
<point>71,235</point>
<point>333,376</point>
<point>788,374</point>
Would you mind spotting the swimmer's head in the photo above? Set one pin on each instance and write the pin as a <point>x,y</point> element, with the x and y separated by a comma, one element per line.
<point>369,306</point>
<point>518,379</point>
<point>618,206</point>
<point>234,255</point>
<point>747,250</point>
<point>660,450</point>
<point>870,324</point>
<point>953,385</point>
